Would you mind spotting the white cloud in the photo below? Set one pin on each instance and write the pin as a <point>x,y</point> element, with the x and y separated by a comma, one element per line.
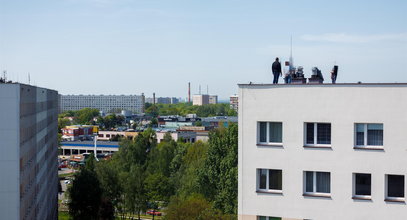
<point>352,38</point>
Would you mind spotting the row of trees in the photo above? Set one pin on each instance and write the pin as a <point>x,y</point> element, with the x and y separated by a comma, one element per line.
<point>85,117</point>
<point>183,109</point>
<point>192,180</point>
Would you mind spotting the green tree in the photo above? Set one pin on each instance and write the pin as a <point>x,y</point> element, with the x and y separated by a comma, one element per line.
<point>157,189</point>
<point>85,193</point>
<point>135,190</point>
<point>108,176</point>
<point>62,123</point>
<point>218,178</point>
<point>193,207</point>
<point>86,115</point>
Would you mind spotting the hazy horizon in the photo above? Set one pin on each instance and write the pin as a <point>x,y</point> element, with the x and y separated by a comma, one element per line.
<point>133,47</point>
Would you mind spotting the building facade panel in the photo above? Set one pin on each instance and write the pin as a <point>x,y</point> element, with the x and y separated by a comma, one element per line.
<point>342,106</point>
<point>31,167</point>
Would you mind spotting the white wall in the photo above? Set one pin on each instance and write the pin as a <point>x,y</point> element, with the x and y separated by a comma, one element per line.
<point>342,106</point>
<point>9,151</point>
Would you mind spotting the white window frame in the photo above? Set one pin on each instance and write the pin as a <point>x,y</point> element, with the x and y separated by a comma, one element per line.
<point>268,134</point>
<point>367,197</point>
<point>315,135</point>
<point>365,136</point>
<point>314,184</point>
<point>268,181</point>
<point>394,199</point>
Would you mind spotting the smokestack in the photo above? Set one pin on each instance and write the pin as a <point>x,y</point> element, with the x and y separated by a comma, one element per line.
<point>207,89</point>
<point>153,98</point>
<point>189,92</point>
<point>199,89</point>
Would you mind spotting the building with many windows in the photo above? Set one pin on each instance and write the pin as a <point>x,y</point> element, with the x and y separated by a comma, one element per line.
<point>105,103</point>
<point>28,159</point>
<point>322,151</point>
<point>234,102</point>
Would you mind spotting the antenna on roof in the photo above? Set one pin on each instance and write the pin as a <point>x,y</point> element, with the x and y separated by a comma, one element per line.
<point>291,53</point>
<point>29,79</point>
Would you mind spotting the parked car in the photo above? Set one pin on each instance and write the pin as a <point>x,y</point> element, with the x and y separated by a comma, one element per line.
<point>153,212</point>
<point>62,166</point>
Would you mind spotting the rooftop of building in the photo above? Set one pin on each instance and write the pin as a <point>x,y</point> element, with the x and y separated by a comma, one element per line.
<point>90,143</point>
<point>321,84</point>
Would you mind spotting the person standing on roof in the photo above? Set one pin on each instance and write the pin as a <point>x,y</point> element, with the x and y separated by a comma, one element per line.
<point>276,69</point>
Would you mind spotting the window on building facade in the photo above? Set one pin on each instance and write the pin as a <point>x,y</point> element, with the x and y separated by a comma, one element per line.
<point>317,133</point>
<point>362,185</point>
<point>368,135</point>
<point>395,187</point>
<point>267,218</point>
<point>317,182</point>
<point>270,132</point>
<point>269,180</point>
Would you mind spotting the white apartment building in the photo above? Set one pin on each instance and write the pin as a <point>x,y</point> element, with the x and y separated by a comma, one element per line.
<point>234,102</point>
<point>105,103</point>
<point>322,151</point>
<point>28,159</point>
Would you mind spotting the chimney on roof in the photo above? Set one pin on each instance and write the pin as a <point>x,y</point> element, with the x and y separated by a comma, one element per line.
<point>153,98</point>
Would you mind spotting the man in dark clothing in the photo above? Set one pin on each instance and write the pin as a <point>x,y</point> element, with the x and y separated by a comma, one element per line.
<point>276,68</point>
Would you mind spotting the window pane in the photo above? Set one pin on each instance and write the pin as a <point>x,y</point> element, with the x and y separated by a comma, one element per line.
<point>375,134</point>
<point>310,133</point>
<point>263,131</point>
<point>262,178</point>
<point>275,132</point>
<point>323,182</point>
<point>275,181</point>
<point>360,134</point>
<point>395,186</point>
<point>309,181</point>
<point>323,133</point>
<point>262,218</point>
<point>274,218</point>
<point>363,184</point>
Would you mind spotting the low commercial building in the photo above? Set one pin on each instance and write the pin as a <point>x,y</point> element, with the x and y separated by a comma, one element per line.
<point>333,151</point>
<point>217,121</point>
<point>79,132</point>
<point>81,147</point>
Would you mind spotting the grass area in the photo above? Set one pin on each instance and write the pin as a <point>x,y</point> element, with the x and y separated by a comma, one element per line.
<point>63,216</point>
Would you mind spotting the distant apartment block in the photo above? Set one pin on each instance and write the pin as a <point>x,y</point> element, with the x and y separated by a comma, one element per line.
<point>28,161</point>
<point>105,103</point>
<point>213,99</point>
<point>234,102</point>
<point>322,151</point>
<point>200,99</point>
<point>163,100</point>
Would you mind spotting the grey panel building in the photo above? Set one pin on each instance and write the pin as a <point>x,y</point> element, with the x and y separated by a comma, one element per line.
<point>105,103</point>
<point>28,162</point>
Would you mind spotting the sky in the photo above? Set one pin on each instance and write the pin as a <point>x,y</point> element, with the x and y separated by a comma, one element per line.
<point>145,46</point>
